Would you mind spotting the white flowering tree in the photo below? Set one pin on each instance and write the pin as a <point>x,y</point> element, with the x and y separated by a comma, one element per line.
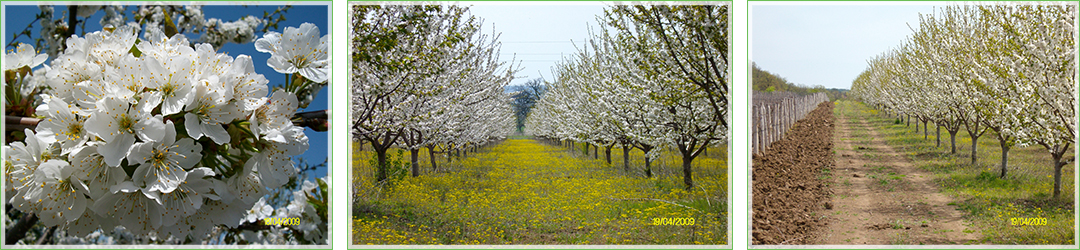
<point>155,138</point>
<point>653,77</point>
<point>425,76</point>
<point>1010,69</point>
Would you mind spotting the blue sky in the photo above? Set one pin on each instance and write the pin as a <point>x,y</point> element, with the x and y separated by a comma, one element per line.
<point>826,45</point>
<point>19,16</point>
<point>539,34</point>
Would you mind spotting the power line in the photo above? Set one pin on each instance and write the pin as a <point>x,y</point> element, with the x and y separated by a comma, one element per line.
<point>537,41</point>
<point>535,54</point>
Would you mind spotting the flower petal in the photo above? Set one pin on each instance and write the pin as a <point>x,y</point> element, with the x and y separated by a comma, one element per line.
<point>216,132</point>
<point>117,149</point>
<point>194,129</point>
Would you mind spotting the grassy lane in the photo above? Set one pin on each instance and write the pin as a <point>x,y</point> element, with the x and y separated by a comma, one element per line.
<point>526,192</point>
<point>992,204</point>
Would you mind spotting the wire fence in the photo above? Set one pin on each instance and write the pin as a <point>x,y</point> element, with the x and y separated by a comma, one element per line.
<point>773,113</point>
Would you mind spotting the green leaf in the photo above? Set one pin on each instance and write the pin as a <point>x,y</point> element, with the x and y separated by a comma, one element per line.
<point>135,51</point>
<point>170,27</point>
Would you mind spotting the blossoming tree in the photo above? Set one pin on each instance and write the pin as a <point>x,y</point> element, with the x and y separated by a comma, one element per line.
<point>163,136</point>
<point>1010,69</point>
<point>425,76</point>
<point>652,77</point>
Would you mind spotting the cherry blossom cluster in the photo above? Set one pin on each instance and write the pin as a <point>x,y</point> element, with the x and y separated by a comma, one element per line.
<point>184,18</point>
<point>158,135</point>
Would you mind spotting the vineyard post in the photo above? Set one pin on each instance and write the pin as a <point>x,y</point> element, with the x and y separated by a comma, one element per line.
<point>787,115</point>
<point>760,124</point>
<point>761,129</point>
<point>756,132</point>
<point>772,126</point>
<point>767,115</point>
<point>785,119</point>
<point>764,128</point>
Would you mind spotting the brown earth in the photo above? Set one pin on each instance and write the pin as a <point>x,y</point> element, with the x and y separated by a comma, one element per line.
<point>790,193</point>
<point>880,197</point>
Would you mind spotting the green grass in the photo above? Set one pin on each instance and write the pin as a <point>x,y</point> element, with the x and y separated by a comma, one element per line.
<point>989,201</point>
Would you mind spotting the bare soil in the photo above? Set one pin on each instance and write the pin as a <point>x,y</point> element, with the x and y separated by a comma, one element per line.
<point>879,197</point>
<point>790,192</point>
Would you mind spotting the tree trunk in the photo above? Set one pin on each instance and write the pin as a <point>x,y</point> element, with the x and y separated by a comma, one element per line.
<point>1004,158</point>
<point>594,149</point>
<point>381,169</point>
<point>924,133</point>
<point>648,161</point>
<point>648,166</point>
<point>688,178</point>
<point>974,150</point>
<point>938,136</point>
<point>1057,178</point>
<point>1058,165</point>
<point>626,157</point>
<point>414,156</point>
<point>952,138</point>
<point>974,141</point>
<point>431,155</point>
<point>607,153</point>
<point>916,126</point>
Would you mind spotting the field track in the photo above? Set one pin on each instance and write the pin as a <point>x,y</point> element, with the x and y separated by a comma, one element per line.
<point>880,197</point>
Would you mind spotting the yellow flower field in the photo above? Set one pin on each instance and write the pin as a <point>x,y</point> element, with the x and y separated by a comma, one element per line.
<point>522,191</point>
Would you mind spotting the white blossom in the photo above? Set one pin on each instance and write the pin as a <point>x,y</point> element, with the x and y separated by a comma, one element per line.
<point>163,164</point>
<point>61,196</point>
<point>210,110</point>
<point>298,50</point>
<point>117,122</point>
<point>23,56</point>
<point>61,123</point>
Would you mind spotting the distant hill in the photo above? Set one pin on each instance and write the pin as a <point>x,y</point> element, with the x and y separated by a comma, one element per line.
<point>766,81</point>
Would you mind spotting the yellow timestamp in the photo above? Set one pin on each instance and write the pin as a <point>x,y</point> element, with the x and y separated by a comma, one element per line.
<point>282,221</point>
<point>673,221</point>
<point>1027,221</point>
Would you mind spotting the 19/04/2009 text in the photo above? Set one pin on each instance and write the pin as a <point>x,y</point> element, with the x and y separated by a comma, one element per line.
<point>673,221</point>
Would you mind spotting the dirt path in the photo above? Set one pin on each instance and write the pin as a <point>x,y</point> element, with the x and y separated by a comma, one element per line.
<point>880,197</point>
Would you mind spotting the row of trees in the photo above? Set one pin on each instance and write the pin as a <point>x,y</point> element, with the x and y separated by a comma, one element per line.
<point>1010,69</point>
<point>426,77</point>
<point>651,77</point>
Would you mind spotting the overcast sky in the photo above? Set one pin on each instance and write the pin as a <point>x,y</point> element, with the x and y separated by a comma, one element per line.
<point>540,34</point>
<point>829,44</point>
